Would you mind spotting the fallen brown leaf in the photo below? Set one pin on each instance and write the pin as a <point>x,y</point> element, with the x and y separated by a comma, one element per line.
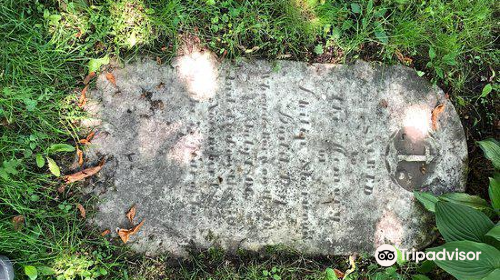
<point>137,227</point>
<point>435,115</point>
<point>402,58</point>
<point>83,97</point>
<point>131,214</point>
<point>87,139</point>
<point>106,232</point>
<point>79,153</point>
<point>338,273</point>
<point>90,136</point>
<point>18,222</point>
<point>61,189</point>
<point>111,78</point>
<point>88,78</point>
<point>83,213</point>
<point>78,176</point>
<point>126,233</point>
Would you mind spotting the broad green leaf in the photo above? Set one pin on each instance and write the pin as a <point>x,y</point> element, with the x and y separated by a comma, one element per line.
<point>10,166</point>
<point>40,162</point>
<point>488,262</point>
<point>356,8</point>
<point>458,222</point>
<point>494,192</point>
<point>420,277</point>
<point>450,59</point>
<point>60,148</point>
<point>486,90</point>
<point>495,275</point>
<point>369,7</point>
<point>432,53</point>
<point>45,270</point>
<point>491,149</point>
<point>330,274</point>
<point>494,232</point>
<point>54,169</point>
<point>468,200</point>
<point>4,174</point>
<point>427,199</point>
<point>426,266</point>
<point>31,272</point>
<point>96,63</point>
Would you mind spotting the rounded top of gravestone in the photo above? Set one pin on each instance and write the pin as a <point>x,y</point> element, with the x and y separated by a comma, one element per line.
<point>320,158</point>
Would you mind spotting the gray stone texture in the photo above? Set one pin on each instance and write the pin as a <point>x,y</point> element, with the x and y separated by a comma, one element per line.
<point>319,158</point>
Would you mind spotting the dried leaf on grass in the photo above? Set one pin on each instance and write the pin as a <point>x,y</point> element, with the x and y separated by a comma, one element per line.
<point>131,214</point>
<point>352,262</point>
<point>83,213</point>
<point>338,273</point>
<point>435,115</point>
<point>78,176</point>
<point>126,233</point>
<point>111,78</point>
<point>403,59</point>
<point>79,153</point>
<point>83,97</point>
<point>106,232</point>
<point>61,189</point>
<point>88,78</point>
<point>88,138</point>
<point>18,222</point>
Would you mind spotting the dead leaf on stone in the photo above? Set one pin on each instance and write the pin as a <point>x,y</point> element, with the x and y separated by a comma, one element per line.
<point>83,97</point>
<point>106,232</point>
<point>18,222</point>
<point>126,233</point>
<point>79,153</point>
<point>88,78</point>
<point>338,273</point>
<point>83,213</point>
<point>78,176</point>
<point>137,227</point>
<point>131,214</point>
<point>111,78</point>
<point>435,115</point>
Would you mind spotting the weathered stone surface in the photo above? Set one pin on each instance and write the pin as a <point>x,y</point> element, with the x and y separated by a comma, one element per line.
<point>320,158</point>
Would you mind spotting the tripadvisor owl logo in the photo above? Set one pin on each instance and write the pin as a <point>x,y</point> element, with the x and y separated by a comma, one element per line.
<point>387,255</point>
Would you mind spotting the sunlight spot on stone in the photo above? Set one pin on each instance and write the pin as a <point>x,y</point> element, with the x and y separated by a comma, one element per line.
<point>417,122</point>
<point>389,230</point>
<point>187,148</point>
<point>198,70</point>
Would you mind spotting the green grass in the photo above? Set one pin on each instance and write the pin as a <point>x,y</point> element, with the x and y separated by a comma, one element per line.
<point>45,47</point>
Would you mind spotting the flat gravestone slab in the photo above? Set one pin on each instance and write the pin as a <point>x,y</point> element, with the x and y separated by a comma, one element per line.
<point>319,158</point>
